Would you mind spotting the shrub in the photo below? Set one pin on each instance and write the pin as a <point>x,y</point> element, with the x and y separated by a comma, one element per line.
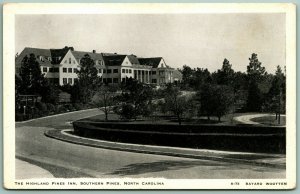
<point>41,106</point>
<point>50,107</point>
<point>127,111</point>
<point>78,106</point>
<point>19,117</point>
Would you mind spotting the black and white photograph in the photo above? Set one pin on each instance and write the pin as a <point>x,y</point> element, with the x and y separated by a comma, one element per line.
<point>149,96</point>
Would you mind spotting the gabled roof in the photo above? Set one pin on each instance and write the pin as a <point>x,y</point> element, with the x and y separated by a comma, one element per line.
<point>37,52</point>
<point>153,62</point>
<point>58,54</point>
<point>94,56</point>
<point>133,60</point>
<point>114,60</point>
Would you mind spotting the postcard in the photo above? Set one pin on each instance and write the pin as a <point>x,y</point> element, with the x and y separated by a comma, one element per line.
<point>149,96</point>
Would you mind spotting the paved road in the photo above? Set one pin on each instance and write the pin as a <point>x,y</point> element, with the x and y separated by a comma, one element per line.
<point>246,119</point>
<point>67,160</point>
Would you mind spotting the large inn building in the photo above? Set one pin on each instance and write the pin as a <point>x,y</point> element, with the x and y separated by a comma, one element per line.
<point>60,66</point>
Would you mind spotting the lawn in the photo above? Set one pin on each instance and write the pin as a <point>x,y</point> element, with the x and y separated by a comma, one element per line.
<point>225,120</point>
<point>270,120</point>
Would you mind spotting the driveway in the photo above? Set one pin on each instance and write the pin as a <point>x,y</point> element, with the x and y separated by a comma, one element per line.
<point>68,160</point>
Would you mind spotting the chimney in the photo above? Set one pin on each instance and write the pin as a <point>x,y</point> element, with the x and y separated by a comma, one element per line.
<point>94,51</point>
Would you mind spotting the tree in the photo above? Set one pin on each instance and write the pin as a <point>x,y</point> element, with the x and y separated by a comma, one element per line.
<point>276,94</point>
<point>255,73</point>
<point>50,92</point>
<point>225,76</point>
<point>104,99</point>
<point>215,100</point>
<point>187,74</point>
<point>201,77</point>
<point>175,102</point>
<point>137,96</point>
<point>31,76</point>
<point>88,80</point>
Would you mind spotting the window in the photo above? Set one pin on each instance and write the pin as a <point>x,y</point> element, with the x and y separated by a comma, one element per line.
<point>115,80</point>
<point>153,72</point>
<point>74,62</point>
<point>70,60</point>
<point>104,70</point>
<point>49,58</point>
<point>44,69</point>
<point>109,80</point>
<point>65,81</point>
<point>104,80</point>
<point>70,81</point>
<point>123,70</point>
<point>109,71</point>
<point>69,70</point>
<point>56,70</point>
<point>75,70</point>
<point>116,70</point>
<point>129,70</point>
<point>51,70</point>
<point>65,70</point>
<point>100,70</point>
<point>161,72</point>
<point>154,81</point>
<point>126,70</point>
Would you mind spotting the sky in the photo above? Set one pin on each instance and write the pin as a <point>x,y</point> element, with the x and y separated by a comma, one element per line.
<point>196,40</point>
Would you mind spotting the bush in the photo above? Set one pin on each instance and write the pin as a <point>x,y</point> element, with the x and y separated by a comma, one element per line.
<point>19,117</point>
<point>125,111</point>
<point>78,106</point>
<point>41,106</point>
<point>50,107</point>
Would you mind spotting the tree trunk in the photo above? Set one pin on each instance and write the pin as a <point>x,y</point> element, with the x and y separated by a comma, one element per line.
<point>179,119</point>
<point>106,115</point>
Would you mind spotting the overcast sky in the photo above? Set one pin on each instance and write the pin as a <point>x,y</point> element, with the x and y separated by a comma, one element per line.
<point>197,40</point>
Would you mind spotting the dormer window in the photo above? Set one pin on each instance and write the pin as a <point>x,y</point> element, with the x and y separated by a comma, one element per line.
<point>41,58</point>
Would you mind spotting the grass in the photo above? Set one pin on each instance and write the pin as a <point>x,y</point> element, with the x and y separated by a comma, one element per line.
<point>225,120</point>
<point>270,120</point>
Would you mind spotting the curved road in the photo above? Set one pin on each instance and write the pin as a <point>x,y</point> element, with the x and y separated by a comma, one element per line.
<point>246,119</point>
<point>68,160</point>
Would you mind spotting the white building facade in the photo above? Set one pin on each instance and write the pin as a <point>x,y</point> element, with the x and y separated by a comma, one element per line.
<point>60,66</point>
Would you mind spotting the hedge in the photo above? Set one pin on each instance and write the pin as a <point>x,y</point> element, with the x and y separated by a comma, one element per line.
<point>232,138</point>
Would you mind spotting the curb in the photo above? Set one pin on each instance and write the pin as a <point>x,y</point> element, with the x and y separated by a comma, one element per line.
<point>148,149</point>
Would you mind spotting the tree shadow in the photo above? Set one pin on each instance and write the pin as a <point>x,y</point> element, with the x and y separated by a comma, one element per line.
<point>142,168</point>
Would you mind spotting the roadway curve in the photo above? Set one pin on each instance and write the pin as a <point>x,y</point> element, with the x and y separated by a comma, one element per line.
<point>68,160</point>
<point>247,119</point>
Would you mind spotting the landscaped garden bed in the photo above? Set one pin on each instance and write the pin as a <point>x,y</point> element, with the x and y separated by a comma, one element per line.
<point>233,138</point>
